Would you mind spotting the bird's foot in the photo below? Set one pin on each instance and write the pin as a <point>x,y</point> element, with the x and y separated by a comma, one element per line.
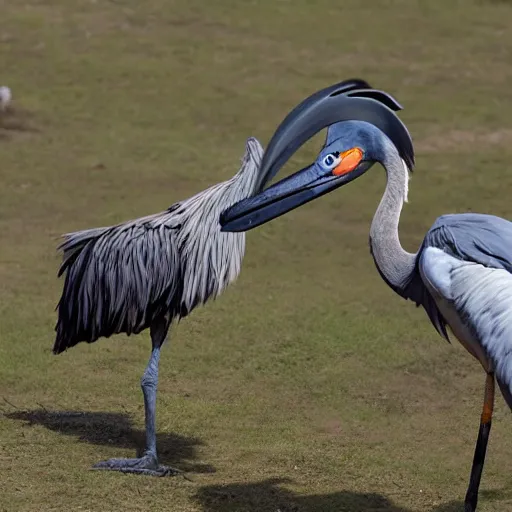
<point>146,465</point>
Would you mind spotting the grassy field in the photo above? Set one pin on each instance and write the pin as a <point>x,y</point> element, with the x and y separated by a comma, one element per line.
<point>309,386</point>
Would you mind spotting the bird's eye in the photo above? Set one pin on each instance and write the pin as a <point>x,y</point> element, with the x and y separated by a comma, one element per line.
<point>331,160</point>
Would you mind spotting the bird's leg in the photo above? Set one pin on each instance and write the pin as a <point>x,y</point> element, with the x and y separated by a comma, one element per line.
<point>148,463</point>
<point>149,383</point>
<point>471,499</point>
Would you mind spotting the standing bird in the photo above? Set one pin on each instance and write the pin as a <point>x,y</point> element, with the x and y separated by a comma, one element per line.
<point>462,272</point>
<point>148,272</point>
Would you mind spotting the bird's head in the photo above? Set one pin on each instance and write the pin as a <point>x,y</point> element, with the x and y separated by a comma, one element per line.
<point>363,129</point>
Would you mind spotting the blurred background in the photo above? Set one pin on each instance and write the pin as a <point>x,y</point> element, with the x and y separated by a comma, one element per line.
<point>309,386</point>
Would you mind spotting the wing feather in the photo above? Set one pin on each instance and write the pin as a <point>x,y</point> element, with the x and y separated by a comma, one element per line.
<point>117,280</point>
<point>484,239</point>
<point>471,237</point>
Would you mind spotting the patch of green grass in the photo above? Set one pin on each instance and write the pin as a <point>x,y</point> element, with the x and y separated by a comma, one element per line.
<point>309,386</point>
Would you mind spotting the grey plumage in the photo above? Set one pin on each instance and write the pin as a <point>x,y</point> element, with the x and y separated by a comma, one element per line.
<point>119,279</point>
<point>476,278</point>
<point>148,272</point>
<point>482,239</point>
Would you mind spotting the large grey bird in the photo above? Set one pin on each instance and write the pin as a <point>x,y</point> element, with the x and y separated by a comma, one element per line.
<point>462,272</point>
<point>148,272</point>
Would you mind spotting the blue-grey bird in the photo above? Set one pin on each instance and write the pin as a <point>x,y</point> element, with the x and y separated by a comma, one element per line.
<point>462,272</point>
<point>148,272</point>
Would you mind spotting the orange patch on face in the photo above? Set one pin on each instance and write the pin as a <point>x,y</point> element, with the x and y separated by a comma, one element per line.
<point>349,161</point>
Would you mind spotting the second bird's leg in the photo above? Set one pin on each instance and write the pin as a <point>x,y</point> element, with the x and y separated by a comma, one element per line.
<point>471,499</point>
<point>148,463</point>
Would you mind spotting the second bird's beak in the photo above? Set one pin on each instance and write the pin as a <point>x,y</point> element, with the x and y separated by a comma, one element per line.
<point>286,195</point>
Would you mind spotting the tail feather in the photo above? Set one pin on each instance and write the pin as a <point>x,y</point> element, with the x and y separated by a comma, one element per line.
<point>74,245</point>
<point>117,280</point>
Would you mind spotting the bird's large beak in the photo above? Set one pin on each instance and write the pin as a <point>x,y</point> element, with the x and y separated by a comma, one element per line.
<point>286,195</point>
<point>320,110</point>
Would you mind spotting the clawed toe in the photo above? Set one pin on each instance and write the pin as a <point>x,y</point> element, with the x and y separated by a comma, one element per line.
<point>147,465</point>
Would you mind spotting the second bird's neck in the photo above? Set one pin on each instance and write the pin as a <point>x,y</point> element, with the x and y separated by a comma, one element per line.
<point>394,263</point>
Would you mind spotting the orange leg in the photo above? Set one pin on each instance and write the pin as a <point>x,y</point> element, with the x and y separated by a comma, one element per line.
<point>481,446</point>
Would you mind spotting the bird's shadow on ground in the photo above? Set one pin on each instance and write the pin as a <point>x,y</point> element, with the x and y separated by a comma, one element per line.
<point>116,429</point>
<point>270,496</point>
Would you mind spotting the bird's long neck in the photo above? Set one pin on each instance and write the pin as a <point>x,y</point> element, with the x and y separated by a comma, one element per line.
<point>394,263</point>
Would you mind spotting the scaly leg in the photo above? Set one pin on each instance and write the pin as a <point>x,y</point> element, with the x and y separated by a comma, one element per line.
<point>148,463</point>
<point>471,499</point>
